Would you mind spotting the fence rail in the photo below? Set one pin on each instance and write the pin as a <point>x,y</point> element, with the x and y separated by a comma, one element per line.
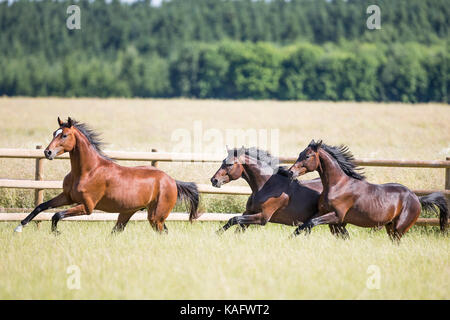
<point>154,157</point>
<point>193,157</point>
<point>203,188</point>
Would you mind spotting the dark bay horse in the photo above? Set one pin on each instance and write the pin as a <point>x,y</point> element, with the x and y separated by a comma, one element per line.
<point>96,182</point>
<point>274,197</point>
<point>348,198</point>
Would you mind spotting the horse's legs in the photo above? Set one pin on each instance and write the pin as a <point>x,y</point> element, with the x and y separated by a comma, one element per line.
<point>242,227</point>
<point>74,211</point>
<point>159,226</point>
<point>329,218</point>
<point>122,221</point>
<point>392,233</point>
<point>405,220</point>
<point>158,213</point>
<point>339,230</point>
<point>85,208</point>
<point>268,209</point>
<point>58,201</point>
<point>258,218</point>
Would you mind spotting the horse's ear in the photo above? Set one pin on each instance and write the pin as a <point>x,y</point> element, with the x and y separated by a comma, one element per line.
<point>240,152</point>
<point>315,145</point>
<point>60,123</point>
<point>69,122</point>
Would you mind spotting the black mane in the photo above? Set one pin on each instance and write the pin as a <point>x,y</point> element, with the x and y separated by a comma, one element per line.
<point>260,155</point>
<point>92,136</point>
<point>344,158</point>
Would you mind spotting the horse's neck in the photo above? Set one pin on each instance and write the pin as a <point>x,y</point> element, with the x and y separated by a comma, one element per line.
<point>256,173</point>
<point>329,170</point>
<point>83,157</point>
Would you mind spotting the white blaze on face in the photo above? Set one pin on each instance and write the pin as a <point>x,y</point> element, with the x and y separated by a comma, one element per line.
<point>57,132</point>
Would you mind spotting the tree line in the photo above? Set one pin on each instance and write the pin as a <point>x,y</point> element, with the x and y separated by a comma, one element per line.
<point>407,72</point>
<point>233,49</point>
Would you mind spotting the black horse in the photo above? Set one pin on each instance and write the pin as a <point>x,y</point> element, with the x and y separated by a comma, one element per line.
<point>275,197</point>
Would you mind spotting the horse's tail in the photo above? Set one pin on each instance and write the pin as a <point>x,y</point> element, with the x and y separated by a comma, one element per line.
<point>188,192</point>
<point>436,201</point>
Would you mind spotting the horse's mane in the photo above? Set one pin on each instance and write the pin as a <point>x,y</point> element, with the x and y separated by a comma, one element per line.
<point>344,158</point>
<point>263,156</point>
<point>92,136</point>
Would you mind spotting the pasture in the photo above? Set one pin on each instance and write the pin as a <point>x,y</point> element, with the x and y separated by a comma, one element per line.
<point>192,262</point>
<point>371,130</point>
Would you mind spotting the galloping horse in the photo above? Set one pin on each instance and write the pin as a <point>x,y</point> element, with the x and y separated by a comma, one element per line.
<point>274,197</point>
<point>96,182</point>
<point>348,198</point>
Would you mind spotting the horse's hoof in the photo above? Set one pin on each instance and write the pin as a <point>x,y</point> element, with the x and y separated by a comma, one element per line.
<point>56,232</point>
<point>19,228</point>
<point>220,232</point>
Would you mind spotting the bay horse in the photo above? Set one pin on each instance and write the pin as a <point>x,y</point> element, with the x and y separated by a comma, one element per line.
<point>348,198</point>
<point>274,197</point>
<point>97,182</point>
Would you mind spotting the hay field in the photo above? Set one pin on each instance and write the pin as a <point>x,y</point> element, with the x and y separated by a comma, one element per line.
<point>371,130</point>
<point>192,262</point>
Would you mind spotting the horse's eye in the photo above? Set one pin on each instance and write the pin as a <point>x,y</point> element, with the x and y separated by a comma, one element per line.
<point>64,136</point>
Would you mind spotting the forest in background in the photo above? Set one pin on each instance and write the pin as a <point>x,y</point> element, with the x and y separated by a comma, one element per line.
<point>231,49</point>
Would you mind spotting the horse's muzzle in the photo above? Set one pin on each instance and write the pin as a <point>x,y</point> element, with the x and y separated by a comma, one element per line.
<point>292,174</point>
<point>49,154</point>
<point>215,183</point>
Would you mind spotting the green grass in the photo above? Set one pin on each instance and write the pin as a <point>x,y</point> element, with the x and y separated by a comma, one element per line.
<point>193,263</point>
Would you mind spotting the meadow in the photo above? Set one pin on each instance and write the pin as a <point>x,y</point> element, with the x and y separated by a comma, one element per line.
<point>192,262</point>
<point>371,130</point>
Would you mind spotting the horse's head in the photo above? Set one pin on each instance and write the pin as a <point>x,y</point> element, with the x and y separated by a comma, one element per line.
<point>63,140</point>
<point>231,168</point>
<point>307,161</point>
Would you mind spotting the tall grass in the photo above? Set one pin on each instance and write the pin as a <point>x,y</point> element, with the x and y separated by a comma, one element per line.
<point>193,263</point>
<point>371,130</point>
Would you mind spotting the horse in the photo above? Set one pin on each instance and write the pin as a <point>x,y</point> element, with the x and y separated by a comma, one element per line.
<point>274,197</point>
<point>348,198</point>
<point>97,182</point>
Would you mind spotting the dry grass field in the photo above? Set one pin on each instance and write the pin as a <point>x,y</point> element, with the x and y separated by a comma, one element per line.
<point>192,262</point>
<point>371,130</point>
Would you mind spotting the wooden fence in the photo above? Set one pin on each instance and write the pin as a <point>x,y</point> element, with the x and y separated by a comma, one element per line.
<point>154,157</point>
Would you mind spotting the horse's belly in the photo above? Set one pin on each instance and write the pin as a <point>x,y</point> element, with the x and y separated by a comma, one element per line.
<point>125,199</point>
<point>284,217</point>
<point>368,219</point>
<point>119,205</point>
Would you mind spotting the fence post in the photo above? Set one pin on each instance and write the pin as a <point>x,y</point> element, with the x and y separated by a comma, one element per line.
<point>154,163</point>
<point>447,180</point>
<point>38,176</point>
